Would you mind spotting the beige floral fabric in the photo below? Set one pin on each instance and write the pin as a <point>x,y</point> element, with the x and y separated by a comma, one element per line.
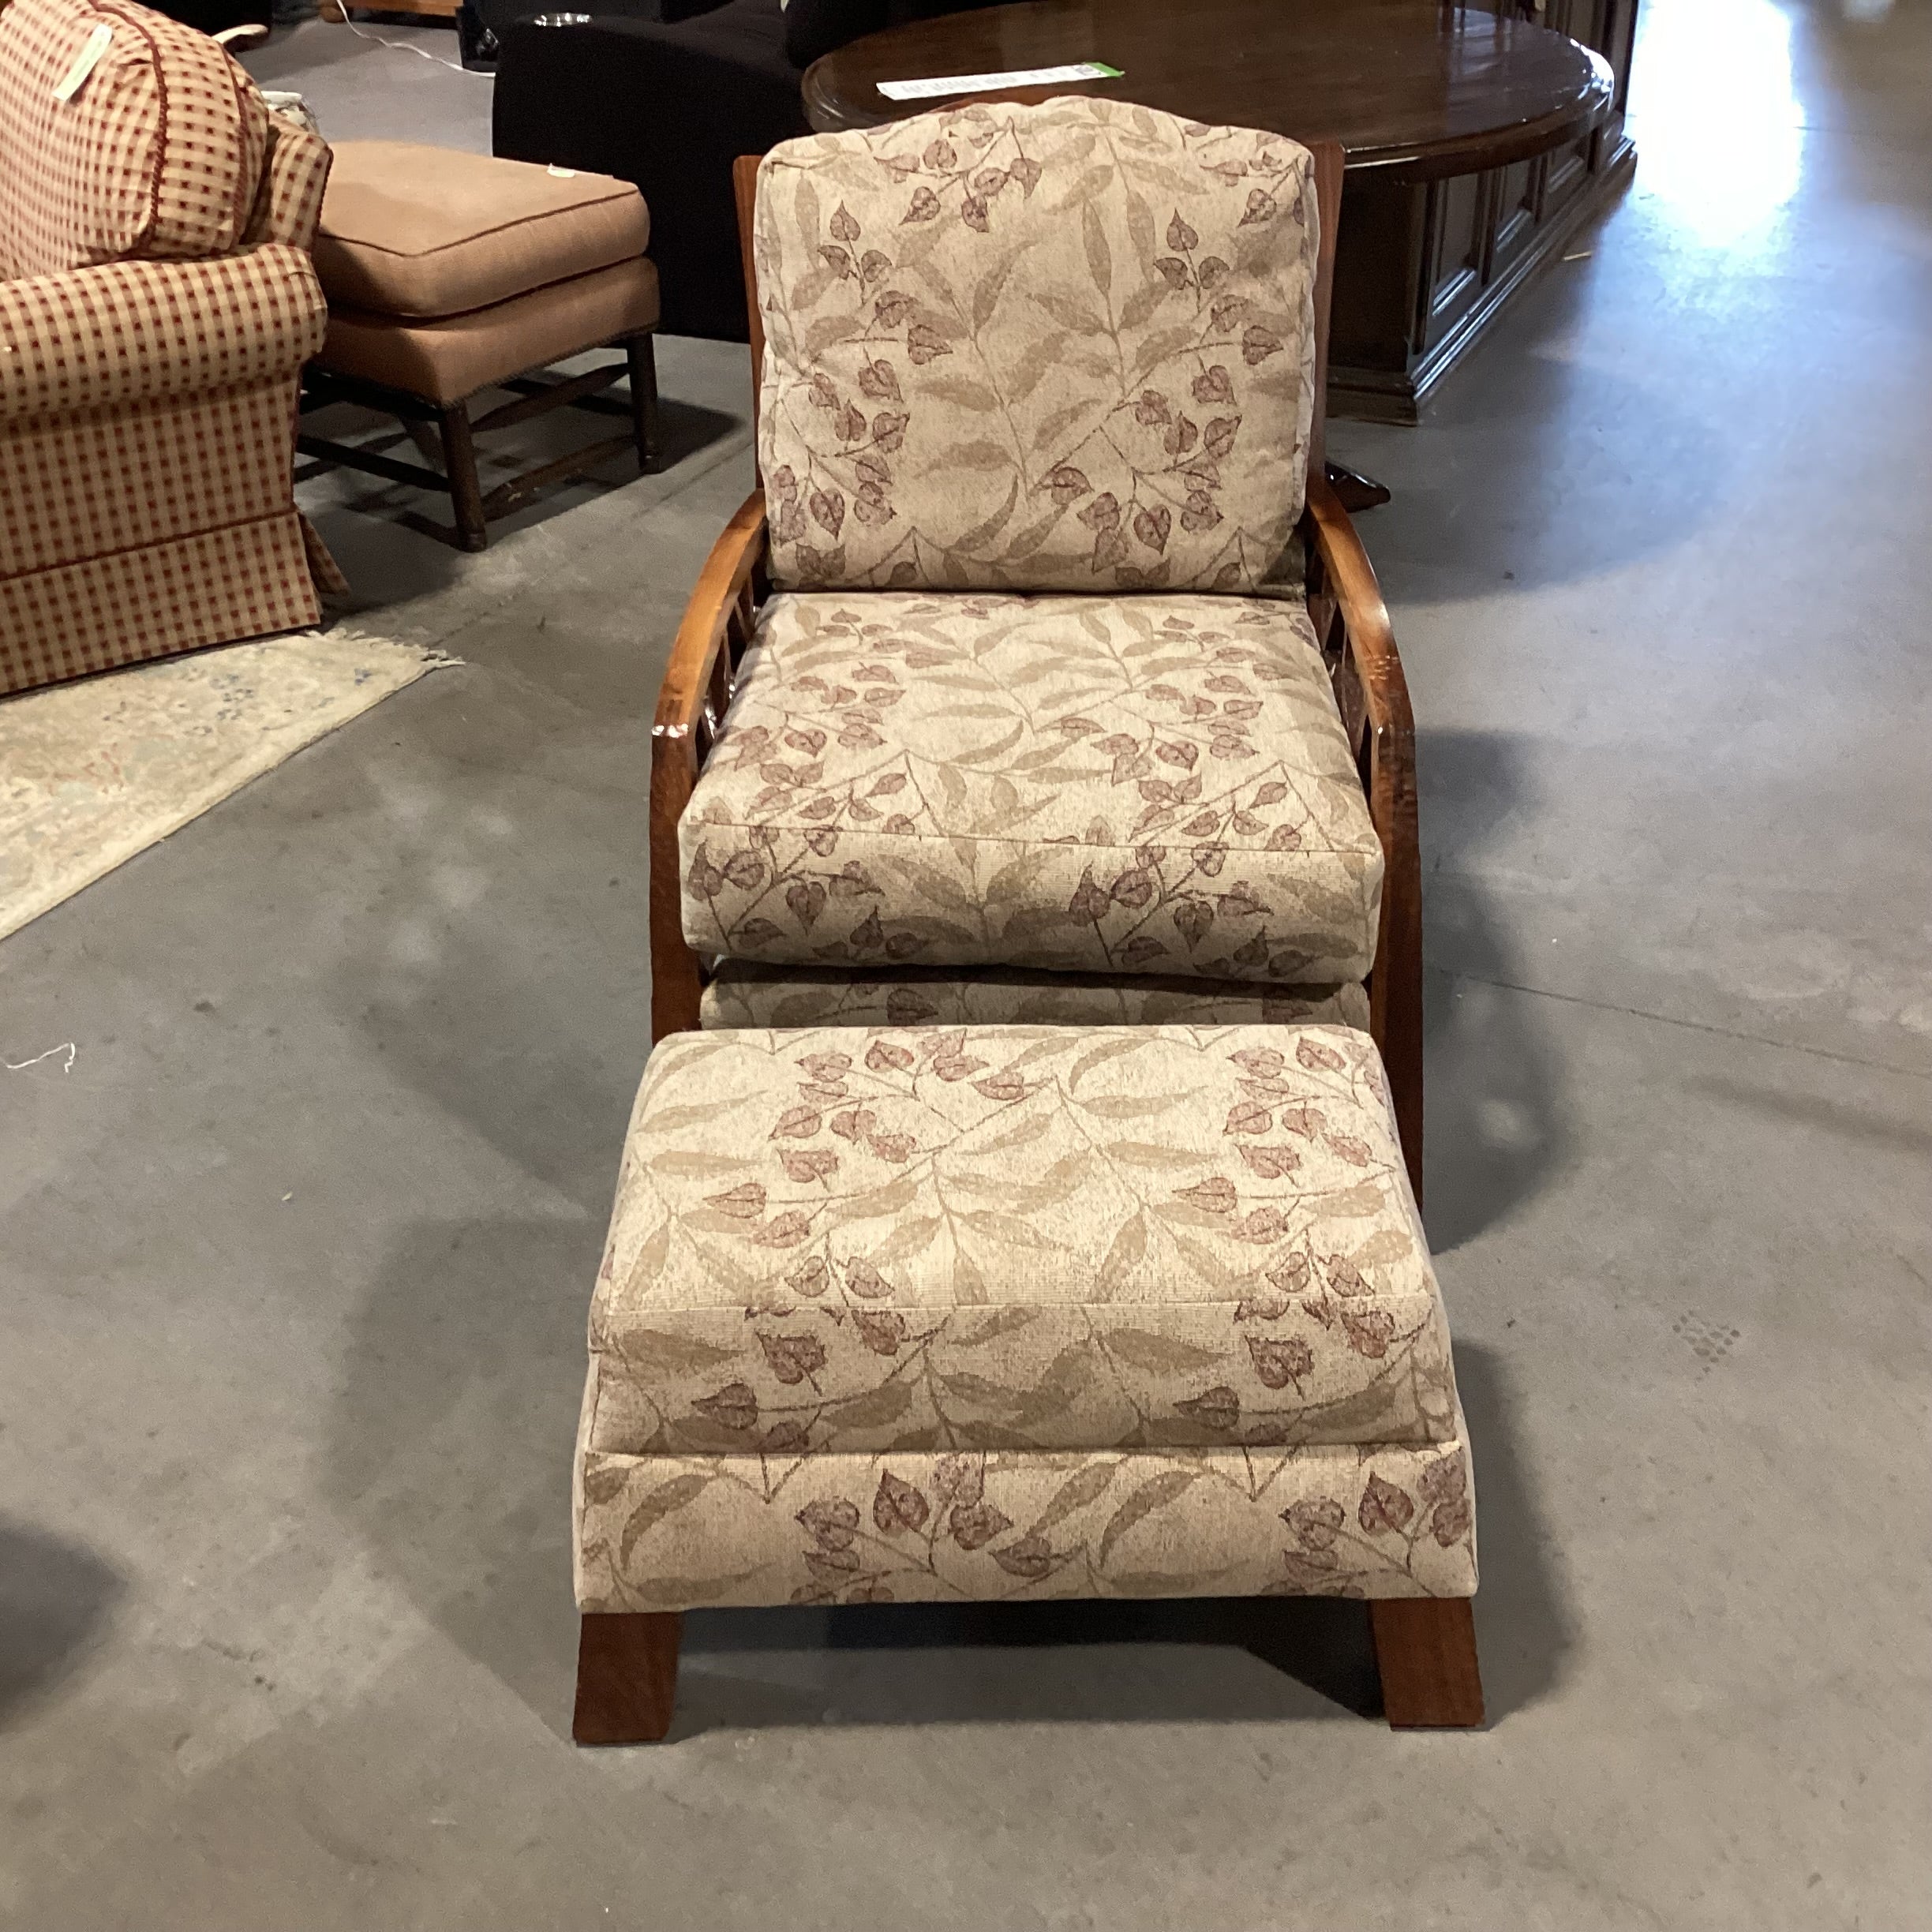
<point>743,993</point>
<point>674,1533</point>
<point>1144,785</point>
<point>1064,347</point>
<point>1015,1237</point>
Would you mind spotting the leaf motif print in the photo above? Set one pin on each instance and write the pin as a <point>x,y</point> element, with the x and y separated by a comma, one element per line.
<point>1384,1508</point>
<point>793,1358</point>
<point>1217,1408</point>
<point>974,1525</point>
<point>746,1202</point>
<point>735,1405</point>
<point>830,297</point>
<point>898,1506</point>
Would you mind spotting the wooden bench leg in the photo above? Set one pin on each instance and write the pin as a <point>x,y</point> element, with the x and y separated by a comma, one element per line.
<point>1426,1649</point>
<point>459,465</point>
<point>641,354</point>
<point>626,1677</point>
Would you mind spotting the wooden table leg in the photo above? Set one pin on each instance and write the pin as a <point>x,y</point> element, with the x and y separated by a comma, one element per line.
<point>626,1677</point>
<point>1426,1649</point>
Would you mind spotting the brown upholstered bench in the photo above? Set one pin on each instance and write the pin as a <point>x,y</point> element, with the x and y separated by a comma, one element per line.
<point>448,274</point>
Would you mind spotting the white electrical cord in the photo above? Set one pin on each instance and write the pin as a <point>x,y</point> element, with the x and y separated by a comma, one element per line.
<point>405,47</point>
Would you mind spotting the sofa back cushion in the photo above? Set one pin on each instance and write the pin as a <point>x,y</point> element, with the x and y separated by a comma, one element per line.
<point>154,155</point>
<point>1061,347</point>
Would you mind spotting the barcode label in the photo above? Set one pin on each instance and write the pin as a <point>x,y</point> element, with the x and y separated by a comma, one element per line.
<point>989,83</point>
<point>84,62</point>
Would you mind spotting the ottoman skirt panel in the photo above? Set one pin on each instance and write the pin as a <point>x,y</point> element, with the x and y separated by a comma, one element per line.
<point>671,1533</point>
<point>1013,1311</point>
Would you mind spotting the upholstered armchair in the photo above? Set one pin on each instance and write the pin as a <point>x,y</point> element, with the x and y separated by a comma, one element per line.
<point>156,306</point>
<point>1043,677</point>
<point>1017,1208</point>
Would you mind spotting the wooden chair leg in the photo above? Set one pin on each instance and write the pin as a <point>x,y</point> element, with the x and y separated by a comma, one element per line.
<point>641,353</point>
<point>459,465</point>
<point>1426,1649</point>
<point>626,1677</point>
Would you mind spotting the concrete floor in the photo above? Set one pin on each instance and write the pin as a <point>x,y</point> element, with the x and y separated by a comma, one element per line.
<point>285,1627</point>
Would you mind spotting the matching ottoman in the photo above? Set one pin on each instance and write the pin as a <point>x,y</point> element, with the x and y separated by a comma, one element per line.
<point>1014,1312</point>
<point>447,274</point>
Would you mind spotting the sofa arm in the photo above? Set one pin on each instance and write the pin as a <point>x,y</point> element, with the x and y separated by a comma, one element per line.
<point>288,202</point>
<point>90,340</point>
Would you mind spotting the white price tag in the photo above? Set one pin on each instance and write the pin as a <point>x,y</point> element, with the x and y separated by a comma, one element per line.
<point>989,83</point>
<point>84,62</point>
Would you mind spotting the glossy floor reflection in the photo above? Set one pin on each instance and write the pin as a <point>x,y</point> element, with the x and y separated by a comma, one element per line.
<point>284,1636</point>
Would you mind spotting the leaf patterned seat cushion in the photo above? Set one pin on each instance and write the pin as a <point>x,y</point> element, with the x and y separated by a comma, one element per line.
<point>1008,1309</point>
<point>1143,784</point>
<point>743,993</point>
<point>1060,347</point>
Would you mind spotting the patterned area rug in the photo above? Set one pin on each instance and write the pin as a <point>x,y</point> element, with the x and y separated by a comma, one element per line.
<point>93,772</point>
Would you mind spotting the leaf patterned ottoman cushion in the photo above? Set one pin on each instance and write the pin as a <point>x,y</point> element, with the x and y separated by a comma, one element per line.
<point>1006,1261</point>
<point>1149,784</point>
<point>1026,1236</point>
<point>1067,347</point>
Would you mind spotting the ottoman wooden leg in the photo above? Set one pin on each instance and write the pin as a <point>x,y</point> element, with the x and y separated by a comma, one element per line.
<point>626,1677</point>
<point>641,354</point>
<point>459,465</point>
<point>1426,1649</point>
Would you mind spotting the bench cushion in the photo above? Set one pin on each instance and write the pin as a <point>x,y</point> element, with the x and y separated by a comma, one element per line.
<point>1016,1237</point>
<point>743,993</point>
<point>1144,784</point>
<point>453,357</point>
<point>1060,347</point>
<point>425,232</point>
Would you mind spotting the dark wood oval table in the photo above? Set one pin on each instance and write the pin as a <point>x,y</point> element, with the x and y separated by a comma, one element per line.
<point>1407,86</point>
<point>1466,131</point>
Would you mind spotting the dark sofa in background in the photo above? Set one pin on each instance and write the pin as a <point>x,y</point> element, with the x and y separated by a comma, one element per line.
<point>667,94</point>
<point>214,17</point>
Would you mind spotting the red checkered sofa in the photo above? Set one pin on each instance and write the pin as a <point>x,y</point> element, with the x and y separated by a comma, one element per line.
<point>156,306</point>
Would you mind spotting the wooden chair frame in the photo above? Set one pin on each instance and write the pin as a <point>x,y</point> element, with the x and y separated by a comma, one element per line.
<point>1425,1648</point>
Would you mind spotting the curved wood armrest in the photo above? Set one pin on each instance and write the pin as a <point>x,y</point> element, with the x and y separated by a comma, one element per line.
<point>690,703</point>
<point>1350,578</point>
<point>1373,696</point>
<point>721,591</point>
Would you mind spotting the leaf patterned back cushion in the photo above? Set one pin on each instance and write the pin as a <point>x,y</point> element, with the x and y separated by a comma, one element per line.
<point>1063,347</point>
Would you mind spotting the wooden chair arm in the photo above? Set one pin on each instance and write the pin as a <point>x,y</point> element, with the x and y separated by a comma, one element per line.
<point>1352,620</point>
<point>691,703</point>
<point>721,593</point>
